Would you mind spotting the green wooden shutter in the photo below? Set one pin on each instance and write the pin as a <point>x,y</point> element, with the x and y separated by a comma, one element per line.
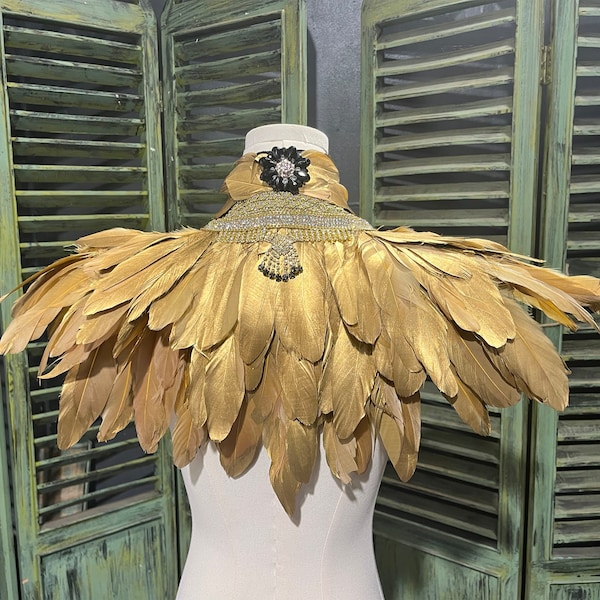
<point>564,538</point>
<point>228,67</point>
<point>449,136</point>
<point>81,151</point>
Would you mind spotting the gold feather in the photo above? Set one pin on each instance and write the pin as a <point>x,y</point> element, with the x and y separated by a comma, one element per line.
<point>153,369</point>
<point>84,395</point>
<point>471,409</point>
<point>284,483</point>
<point>302,443</point>
<point>340,454</point>
<point>238,450</point>
<point>532,361</point>
<point>187,438</point>
<point>268,393</point>
<point>475,369</point>
<point>223,388</point>
<point>300,316</point>
<point>298,385</point>
<point>194,397</point>
<point>118,411</point>
<point>167,272</point>
<point>347,380</point>
<point>364,445</point>
<point>130,277</point>
<point>256,311</point>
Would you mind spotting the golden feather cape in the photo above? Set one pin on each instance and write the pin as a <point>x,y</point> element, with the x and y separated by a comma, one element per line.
<point>182,328</point>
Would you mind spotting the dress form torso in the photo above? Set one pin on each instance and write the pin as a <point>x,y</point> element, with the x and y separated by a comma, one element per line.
<point>244,545</point>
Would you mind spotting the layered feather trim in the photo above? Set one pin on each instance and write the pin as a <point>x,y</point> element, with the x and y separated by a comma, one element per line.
<point>183,329</point>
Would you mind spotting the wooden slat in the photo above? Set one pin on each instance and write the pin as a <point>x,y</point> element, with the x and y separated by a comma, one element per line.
<point>65,97</point>
<point>573,349</point>
<point>254,64</point>
<point>580,431</point>
<point>585,184</point>
<point>25,120</point>
<point>583,241</point>
<point>97,495</point>
<point>446,29</point>
<point>453,491</point>
<point>456,443</point>
<point>434,192</point>
<point>206,171</point>
<point>586,127</point>
<point>463,111</point>
<point>60,148</point>
<point>588,41</point>
<point>451,164</point>
<point>432,218</point>
<point>228,42</point>
<point>455,137</point>
<point>84,222</point>
<point>261,91</point>
<point>460,518</point>
<point>577,532</point>
<point>233,147</point>
<point>571,506</point>
<point>211,196</point>
<point>480,474</point>
<point>241,119</point>
<point>444,85</point>
<point>76,72</point>
<point>578,480</point>
<point>578,455</point>
<point>588,99</point>
<point>585,156</point>
<point>54,42</point>
<point>76,174</point>
<point>585,69</point>
<point>94,475</point>
<point>400,66</point>
<point>110,199</point>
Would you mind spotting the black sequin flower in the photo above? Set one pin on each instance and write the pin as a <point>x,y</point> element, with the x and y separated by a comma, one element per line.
<point>284,169</point>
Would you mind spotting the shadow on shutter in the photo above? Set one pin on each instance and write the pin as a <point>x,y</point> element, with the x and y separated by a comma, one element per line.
<point>82,98</point>
<point>451,90</point>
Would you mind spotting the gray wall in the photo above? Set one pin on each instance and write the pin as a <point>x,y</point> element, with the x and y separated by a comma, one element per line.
<point>333,80</point>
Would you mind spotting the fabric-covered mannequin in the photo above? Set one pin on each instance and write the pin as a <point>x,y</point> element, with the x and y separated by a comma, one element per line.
<point>243,544</point>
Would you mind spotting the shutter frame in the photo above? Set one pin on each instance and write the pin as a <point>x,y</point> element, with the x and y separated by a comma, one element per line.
<point>187,18</point>
<point>556,570</point>
<point>421,545</point>
<point>147,520</point>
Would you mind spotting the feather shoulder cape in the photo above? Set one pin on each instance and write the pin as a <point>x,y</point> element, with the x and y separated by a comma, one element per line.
<point>288,318</point>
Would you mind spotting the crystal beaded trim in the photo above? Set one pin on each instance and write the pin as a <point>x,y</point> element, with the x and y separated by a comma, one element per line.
<point>282,218</point>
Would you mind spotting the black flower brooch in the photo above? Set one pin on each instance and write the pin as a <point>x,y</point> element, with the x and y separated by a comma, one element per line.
<point>284,169</point>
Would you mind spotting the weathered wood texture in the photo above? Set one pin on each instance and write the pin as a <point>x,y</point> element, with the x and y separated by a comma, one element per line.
<point>229,66</point>
<point>80,150</point>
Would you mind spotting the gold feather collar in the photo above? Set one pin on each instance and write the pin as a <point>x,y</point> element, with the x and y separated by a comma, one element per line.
<point>147,325</point>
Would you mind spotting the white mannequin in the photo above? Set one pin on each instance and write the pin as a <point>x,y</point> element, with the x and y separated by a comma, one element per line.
<point>244,545</point>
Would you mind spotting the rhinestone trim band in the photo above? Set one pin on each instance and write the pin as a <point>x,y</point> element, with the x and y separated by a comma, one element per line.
<point>282,218</point>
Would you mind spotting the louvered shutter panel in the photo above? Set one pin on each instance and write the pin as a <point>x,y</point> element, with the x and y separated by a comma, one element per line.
<point>229,67</point>
<point>81,151</point>
<point>564,537</point>
<point>449,143</point>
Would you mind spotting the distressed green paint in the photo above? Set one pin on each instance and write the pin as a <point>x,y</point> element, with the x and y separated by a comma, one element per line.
<point>104,15</point>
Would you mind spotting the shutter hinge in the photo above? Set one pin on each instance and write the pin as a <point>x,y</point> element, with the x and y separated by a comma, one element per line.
<point>546,65</point>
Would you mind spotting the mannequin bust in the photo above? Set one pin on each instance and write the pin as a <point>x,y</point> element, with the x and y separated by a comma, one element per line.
<point>243,544</point>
